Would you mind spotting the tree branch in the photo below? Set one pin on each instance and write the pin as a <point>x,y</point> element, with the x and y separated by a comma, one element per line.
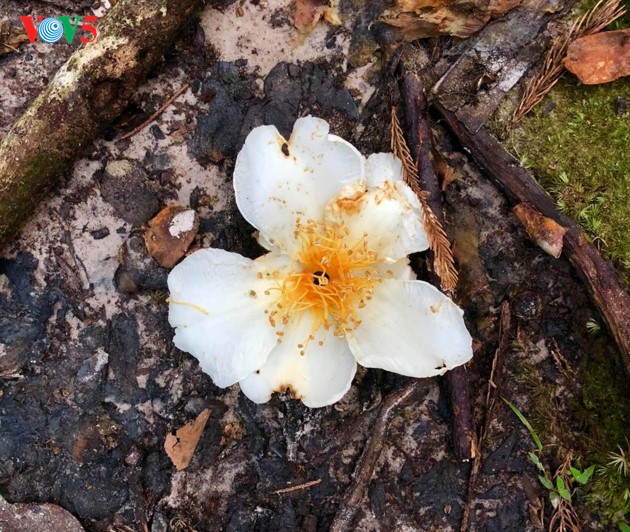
<point>87,93</point>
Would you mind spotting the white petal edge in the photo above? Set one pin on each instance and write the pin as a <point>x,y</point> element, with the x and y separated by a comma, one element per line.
<point>389,216</point>
<point>381,167</point>
<point>273,189</point>
<point>217,307</point>
<point>320,377</point>
<point>411,328</point>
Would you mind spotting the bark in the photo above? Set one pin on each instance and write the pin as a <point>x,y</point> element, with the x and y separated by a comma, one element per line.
<point>87,93</point>
<point>415,105</point>
<point>602,281</point>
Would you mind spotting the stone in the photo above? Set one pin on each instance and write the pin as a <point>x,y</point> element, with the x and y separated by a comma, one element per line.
<point>125,186</point>
<point>36,518</point>
<point>600,58</point>
<point>138,270</point>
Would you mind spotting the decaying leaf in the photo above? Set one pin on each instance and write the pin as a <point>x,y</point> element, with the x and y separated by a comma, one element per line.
<point>10,37</point>
<point>170,234</point>
<point>428,18</point>
<point>181,446</point>
<point>600,58</point>
<point>307,13</point>
<point>543,231</point>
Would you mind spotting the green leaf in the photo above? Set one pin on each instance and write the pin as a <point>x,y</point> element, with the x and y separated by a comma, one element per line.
<point>586,475</point>
<point>560,483</point>
<point>576,473</point>
<point>623,527</point>
<point>527,425</point>
<point>546,482</point>
<point>536,461</point>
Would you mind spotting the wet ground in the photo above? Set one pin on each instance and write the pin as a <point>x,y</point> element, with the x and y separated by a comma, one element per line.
<point>91,385</point>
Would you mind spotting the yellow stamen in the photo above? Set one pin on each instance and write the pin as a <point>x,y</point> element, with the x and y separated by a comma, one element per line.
<point>187,304</point>
<point>336,278</point>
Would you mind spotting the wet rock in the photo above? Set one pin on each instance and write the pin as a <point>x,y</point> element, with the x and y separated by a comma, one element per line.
<point>93,366</point>
<point>99,234</point>
<point>36,518</point>
<point>138,270</point>
<point>170,234</point>
<point>125,186</point>
<point>497,461</point>
<point>217,133</point>
<point>377,498</point>
<point>527,305</point>
<point>511,516</point>
<point>23,317</point>
<point>600,58</point>
<point>438,487</point>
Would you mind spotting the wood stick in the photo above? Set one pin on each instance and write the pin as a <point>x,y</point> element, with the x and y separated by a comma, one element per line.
<point>367,462</point>
<point>607,290</point>
<point>420,144</point>
<point>87,93</point>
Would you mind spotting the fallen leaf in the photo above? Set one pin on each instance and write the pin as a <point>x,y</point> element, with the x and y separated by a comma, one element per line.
<point>170,234</point>
<point>543,231</point>
<point>181,446</point>
<point>429,18</point>
<point>307,13</point>
<point>600,58</point>
<point>10,37</point>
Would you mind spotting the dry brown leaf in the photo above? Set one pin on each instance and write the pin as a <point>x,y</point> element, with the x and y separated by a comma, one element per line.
<point>10,37</point>
<point>543,231</point>
<point>181,446</point>
<point>443,261</point>
<point>307,13</point>
<point>600,58</point>
<point>429,18</point>
<point>170,234</point>
<point>593,21</point>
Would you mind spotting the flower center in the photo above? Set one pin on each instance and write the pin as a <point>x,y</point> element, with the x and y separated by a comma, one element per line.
<point>337,277</point>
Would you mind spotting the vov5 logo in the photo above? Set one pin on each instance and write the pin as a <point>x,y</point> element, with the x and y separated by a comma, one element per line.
<point>51,29</point>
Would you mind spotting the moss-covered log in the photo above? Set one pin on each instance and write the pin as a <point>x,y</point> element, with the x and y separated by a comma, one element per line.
<point>86,94</point>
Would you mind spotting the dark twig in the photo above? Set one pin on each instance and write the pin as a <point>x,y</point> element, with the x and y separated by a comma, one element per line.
<point>365,466</point>
<point>599,276</point>
<point>415,105</point>
<point>491,398</point>
<point>157,113</point>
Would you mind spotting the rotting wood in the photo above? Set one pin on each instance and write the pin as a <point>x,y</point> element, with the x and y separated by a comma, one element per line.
<point>367,462</point>
<point>87,93</point>
<point>420,142</point>
<point>605,287</point>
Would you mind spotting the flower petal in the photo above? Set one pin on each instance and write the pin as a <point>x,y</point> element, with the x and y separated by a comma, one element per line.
<point>411,328</point>
<point>381,167</point>
<point>320,377</point>
<point>217,305</point>
<point>388,216</point>
<point>274,187</point>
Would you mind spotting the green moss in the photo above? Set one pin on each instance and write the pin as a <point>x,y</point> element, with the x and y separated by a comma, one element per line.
<point>580,152</point>
<point>604,412</point>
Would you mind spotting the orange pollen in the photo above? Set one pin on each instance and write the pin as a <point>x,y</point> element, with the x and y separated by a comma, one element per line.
<point>337,276</point>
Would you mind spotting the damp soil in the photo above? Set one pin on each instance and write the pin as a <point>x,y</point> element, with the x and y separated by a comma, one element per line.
<point>91,384</point>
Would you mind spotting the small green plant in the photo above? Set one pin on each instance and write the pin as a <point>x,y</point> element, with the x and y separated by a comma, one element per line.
<point>560,484</point>
<point>624,527</point>
<point>593,327</point>
<point>621,460</point>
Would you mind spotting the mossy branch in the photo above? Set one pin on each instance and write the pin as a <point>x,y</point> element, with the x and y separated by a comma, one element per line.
<point>87,93</point>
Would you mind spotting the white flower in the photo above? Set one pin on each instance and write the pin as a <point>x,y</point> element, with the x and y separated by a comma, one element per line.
<point>335,288</point>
